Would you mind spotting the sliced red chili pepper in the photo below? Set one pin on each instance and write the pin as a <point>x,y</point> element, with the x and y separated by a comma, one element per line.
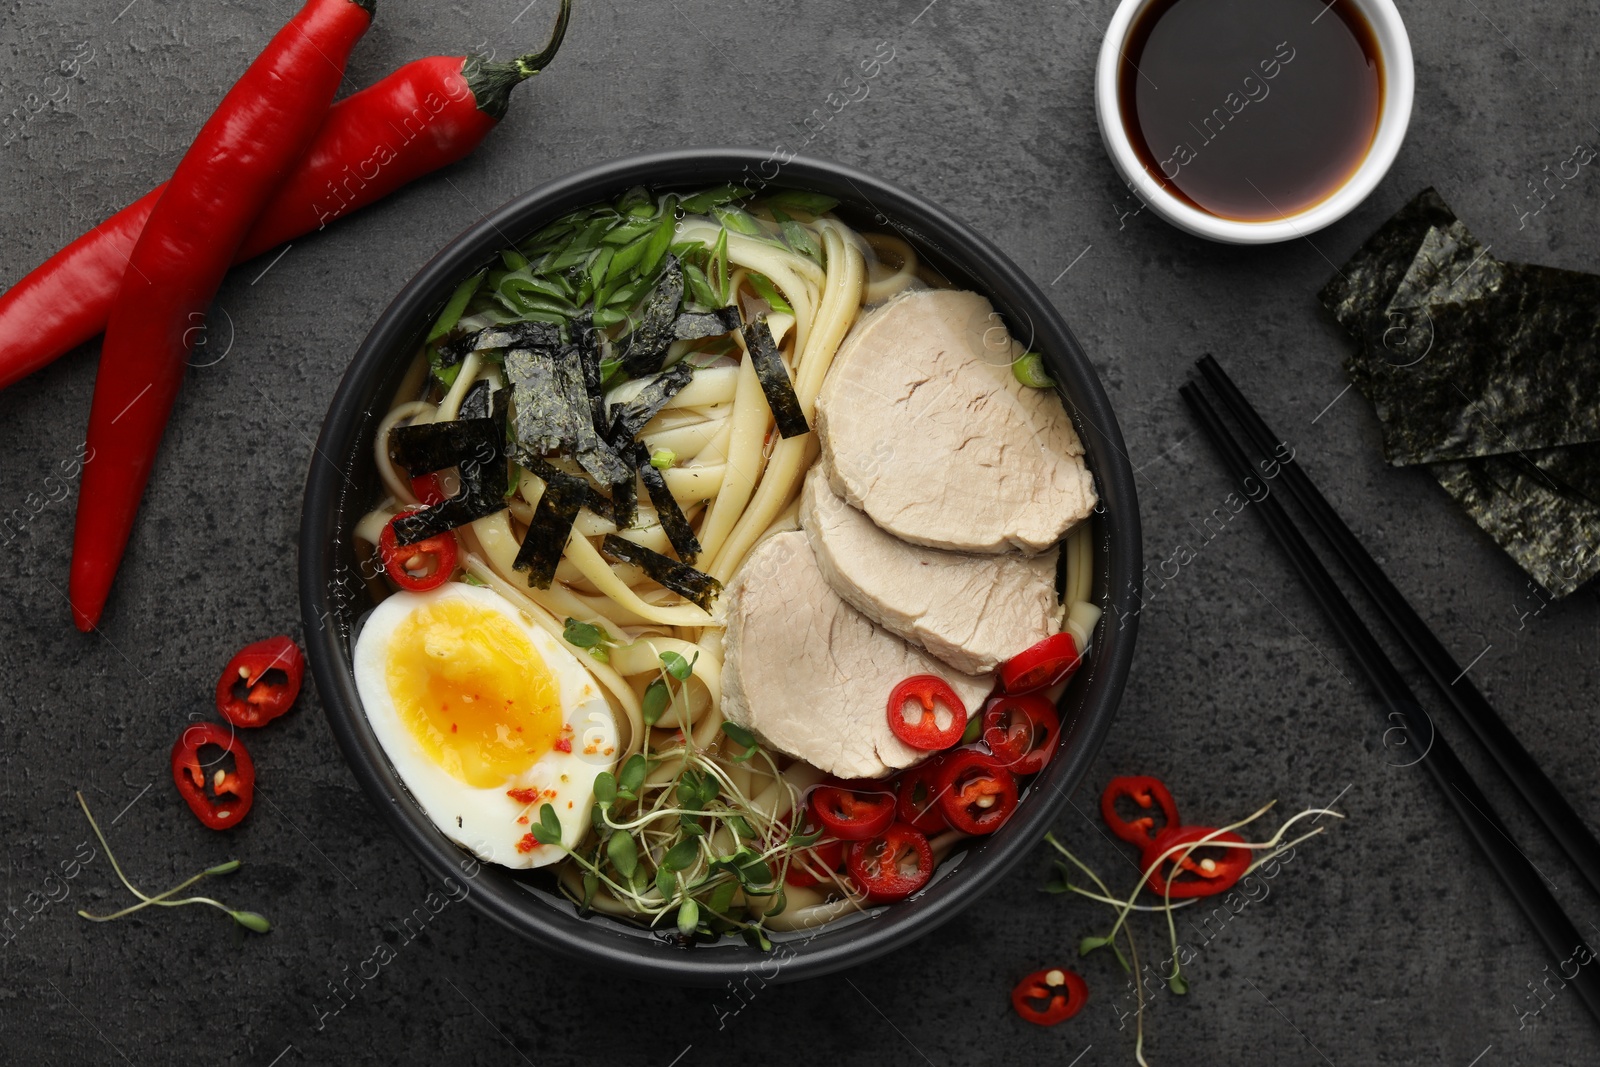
<point>1211,874</point>
<point>918,804</point>
<point>891,865</point>
<point>425,565</point>
<point>428,489</point>
<point>219,798</point>
<point>1040,665</point>
<point>1045,998</point>
<point>261,682</point>
<point>1022,732</point>
<point>809,866</point>
<point>976,792</point>
<point>924,732</point>
<point>854,811</point>
<point>1146,792</point>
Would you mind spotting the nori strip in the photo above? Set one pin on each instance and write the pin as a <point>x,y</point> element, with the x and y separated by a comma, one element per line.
<point>625,502</point>
<point>628,419</point>
<point>775,380</point>
<point>508,335</point>
<point>1364,285</point>
<point>697,587</point>
<point>692,325</point>
<point>645,348</point>
<point>544,421</point>
<point>587,338</point>
<point>476,448</point>
<point>571,484</point>
<point>673,520</point>
<point>477,403</point>
<point>547,533</point>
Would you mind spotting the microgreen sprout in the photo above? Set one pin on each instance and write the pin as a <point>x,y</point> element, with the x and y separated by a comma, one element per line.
<point>1271,849</point>
<point>250,920</point>
<point>676,837</point>
<point>589,637</point>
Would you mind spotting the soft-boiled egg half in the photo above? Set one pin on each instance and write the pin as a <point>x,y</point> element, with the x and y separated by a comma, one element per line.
<point>486,717</point>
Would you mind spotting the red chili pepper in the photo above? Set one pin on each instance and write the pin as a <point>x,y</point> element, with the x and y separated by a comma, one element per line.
<point>977,793</point>
<point>1045,998</point>
<point>423,565</point>
<point>810,866</point>
<point>428,489</point>
<point>853,811</point>
<point>1147,793</point>
<point>918,803</point>
<point>1022,731</point>
<point>230,792</point>
<point>1040,665</point>
<point>925,733</point>
<point>233,168</point>
<point>892,864</point>
<point>426,115</point>
<point>1211,875</point>
<point>261,682</point>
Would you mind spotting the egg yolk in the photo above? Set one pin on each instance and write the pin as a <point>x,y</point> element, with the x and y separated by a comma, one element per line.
<point>473,691</point>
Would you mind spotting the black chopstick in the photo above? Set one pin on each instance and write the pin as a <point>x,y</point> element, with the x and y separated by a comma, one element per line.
<point>1563,824</point>
<point>1561,939</point>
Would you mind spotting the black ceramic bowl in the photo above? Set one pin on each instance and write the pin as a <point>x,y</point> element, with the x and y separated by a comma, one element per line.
<point>343,484</point>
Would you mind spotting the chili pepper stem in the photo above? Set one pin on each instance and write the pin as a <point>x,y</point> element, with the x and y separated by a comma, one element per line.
<point>491,83</point>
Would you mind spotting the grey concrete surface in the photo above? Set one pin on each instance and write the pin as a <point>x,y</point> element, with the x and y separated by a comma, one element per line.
<point>1385,941</point>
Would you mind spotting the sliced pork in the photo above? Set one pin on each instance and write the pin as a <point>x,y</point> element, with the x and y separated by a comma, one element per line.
<point>970,611</point>
<point>924,427</point>
<point>810,674</point>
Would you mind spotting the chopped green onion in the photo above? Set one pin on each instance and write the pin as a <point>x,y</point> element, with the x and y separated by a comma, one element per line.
<point>454,307</point>
<point>799,200</point>
<point>1029,370</point>
<point>700,203</point>
<point>768,292</point>
<point>738,221</point>
<point>663,458</point>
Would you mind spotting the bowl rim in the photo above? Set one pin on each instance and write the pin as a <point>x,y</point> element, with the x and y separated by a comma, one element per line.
<point>1399,81</point>
<point>641,954</point>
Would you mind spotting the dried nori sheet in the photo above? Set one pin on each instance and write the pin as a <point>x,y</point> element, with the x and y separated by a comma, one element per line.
<point>775,382</point>
<point>673,520</point>
<point>693,325</point>
<point>629,418</point>
<point>644,350</point>
<point>476,448</point>
<point>1553,535</point>
<point>587,338</point>
<point>545,419</point>
<point>1478,368</point>
<point>480,395</point>
<point>697,587</point>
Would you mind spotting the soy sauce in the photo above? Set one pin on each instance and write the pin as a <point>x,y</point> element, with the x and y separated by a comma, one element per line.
<point>1251,109</point>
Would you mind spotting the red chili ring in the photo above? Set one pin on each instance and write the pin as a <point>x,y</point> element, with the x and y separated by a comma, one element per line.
<point>977,794</point>
<point>879,864</point>
<point>1051,996</point>
<point>1146,792</point>
<point>1021,731</point>
<point>853,810</point>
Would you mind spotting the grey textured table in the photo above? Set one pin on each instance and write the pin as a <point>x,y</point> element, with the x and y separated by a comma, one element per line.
<point>1384,941</point>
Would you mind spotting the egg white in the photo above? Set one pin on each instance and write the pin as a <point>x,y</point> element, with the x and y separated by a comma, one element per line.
<point>488,821</point>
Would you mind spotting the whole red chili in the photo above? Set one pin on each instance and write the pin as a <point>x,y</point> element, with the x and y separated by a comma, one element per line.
<point>219,798</point>
<point>853,810</point>
<point>1022,731</point>
<point>1040,665</point>
<point>892,864</point>
<point>976,793</point>
<point>927,691</point>
<point>1047,997</point>
<point>918,803</point>
<point>1210,875</point>
<point>261,682</point>
<point>1147,793</point>
<point>233,168</point>
<point>420,566</point>
<point>426,115</point>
